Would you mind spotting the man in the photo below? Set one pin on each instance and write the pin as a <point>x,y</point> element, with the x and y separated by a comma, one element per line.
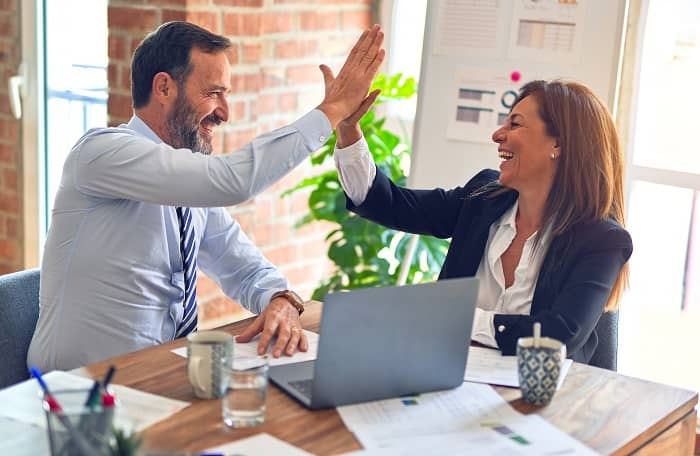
<point>139,207</point>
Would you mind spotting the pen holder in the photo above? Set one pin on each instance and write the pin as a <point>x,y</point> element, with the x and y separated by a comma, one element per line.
<point>78,430</point>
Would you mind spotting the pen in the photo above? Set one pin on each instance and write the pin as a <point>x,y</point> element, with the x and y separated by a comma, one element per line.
<point>54,406</point>
<point>108,377</point>
<point>92,395</point>
<point>107,397</point>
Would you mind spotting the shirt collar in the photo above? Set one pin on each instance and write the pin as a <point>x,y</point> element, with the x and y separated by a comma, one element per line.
<point>138,125</point>
<point>508,217</point>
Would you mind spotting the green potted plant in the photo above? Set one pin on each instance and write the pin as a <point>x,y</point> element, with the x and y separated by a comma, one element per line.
<point>366,254</point>
<point>125,443</point>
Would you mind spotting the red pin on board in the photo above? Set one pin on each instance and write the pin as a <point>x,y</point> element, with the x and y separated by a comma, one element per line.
<point>515,76</point>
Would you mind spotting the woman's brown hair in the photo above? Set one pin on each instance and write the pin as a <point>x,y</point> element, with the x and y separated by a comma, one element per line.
<point>588,181</point>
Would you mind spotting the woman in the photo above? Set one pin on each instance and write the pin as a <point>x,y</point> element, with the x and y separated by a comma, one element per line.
<point>545,236</point>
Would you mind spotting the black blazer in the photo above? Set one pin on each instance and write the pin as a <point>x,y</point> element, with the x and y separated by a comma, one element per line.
<point>576,276</point>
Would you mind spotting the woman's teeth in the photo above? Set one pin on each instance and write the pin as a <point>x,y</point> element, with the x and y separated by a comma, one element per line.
<point>505,155</point>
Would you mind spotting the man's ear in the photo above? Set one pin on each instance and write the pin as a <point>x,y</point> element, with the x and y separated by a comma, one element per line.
<point>164,89</point>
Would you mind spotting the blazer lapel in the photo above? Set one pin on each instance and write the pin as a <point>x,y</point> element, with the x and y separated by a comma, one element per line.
<point>471,244</point>
<point>551,266</point>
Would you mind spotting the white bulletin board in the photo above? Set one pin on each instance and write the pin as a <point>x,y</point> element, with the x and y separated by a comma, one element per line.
<point>476,55</point>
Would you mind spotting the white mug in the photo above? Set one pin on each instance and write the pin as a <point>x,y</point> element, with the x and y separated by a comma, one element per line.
<point>208,353</point>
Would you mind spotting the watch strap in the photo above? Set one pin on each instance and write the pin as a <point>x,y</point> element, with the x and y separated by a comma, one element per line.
<point>293,298</point>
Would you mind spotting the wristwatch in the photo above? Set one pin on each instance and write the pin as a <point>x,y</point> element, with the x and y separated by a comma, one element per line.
<point>293,298</point>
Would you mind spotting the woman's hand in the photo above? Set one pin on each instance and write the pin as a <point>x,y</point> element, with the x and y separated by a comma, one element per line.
<point>348,130</point>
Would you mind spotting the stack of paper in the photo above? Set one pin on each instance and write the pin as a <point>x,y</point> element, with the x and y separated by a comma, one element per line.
<point>250,350</point>
<point>470,419</point>
<point>487,365</point>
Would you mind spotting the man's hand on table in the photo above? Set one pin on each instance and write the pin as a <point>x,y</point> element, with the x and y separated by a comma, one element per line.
<point>280,318</point>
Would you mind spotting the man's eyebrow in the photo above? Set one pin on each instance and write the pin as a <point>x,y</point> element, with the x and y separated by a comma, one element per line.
<point>220,88</point>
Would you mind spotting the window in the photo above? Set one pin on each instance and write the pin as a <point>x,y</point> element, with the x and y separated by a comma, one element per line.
<point>66,95</point>
<point>405,46</point>
<point>76,81</point>
<point>661,311</point>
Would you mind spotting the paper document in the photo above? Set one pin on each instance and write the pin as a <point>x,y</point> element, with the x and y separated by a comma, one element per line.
<point>479,102</point>
<point>250,349</point>
<point>22,439</point>
<point>135,410</point>
<point>475,441</point>
<point>469,28</point>
<point>486,365</point>
<point>383,423</point>
<point>521,435</point>
<point>258,445</point>
<point>138,410</point>
<point>547,31</point>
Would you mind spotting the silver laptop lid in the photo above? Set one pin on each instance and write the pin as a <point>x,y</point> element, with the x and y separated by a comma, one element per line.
<point>377,343</point>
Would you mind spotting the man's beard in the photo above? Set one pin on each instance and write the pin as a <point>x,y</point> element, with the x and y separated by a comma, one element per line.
<point>183,127</point>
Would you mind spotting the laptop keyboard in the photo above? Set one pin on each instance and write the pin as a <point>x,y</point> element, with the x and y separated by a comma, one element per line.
<point>303,386</point>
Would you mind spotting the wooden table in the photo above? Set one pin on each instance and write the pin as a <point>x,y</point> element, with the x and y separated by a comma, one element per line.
<point>610,413</point>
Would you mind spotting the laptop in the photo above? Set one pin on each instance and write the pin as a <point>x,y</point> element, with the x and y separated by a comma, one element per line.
<point>378,343</point>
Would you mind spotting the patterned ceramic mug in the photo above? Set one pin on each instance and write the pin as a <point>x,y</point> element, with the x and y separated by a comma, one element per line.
<point>208,353</point>
<point>539,367</point>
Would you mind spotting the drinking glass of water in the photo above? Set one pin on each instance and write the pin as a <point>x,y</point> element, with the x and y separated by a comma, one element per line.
<point>243,404</point>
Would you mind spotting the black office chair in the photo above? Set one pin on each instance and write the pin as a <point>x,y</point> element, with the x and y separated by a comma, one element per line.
<point>605,355</point>
<point>19,311</point>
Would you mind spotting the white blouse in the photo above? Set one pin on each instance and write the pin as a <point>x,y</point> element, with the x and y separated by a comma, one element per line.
<point>357,172</point>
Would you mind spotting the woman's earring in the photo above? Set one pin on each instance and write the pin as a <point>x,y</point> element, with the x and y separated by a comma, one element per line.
<point>552,156</point>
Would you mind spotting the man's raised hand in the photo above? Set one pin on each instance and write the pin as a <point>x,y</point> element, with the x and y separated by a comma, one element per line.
<point>346,91</point>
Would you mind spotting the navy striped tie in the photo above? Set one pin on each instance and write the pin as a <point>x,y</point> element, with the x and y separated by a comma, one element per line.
<point>189,263</point>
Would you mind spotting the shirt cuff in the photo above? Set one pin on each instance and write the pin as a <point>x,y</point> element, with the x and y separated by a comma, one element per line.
<point>264,299</point>
<point>483,331</point>
<point>314,128</point>
<point>352,153</point>
<point>356,170</point>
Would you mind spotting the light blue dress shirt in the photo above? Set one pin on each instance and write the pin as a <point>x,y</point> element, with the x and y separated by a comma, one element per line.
<point>112,274</point>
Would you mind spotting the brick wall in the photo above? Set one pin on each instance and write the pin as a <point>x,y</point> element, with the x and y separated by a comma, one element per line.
<point>278,45</point>
<point>10,151</point>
